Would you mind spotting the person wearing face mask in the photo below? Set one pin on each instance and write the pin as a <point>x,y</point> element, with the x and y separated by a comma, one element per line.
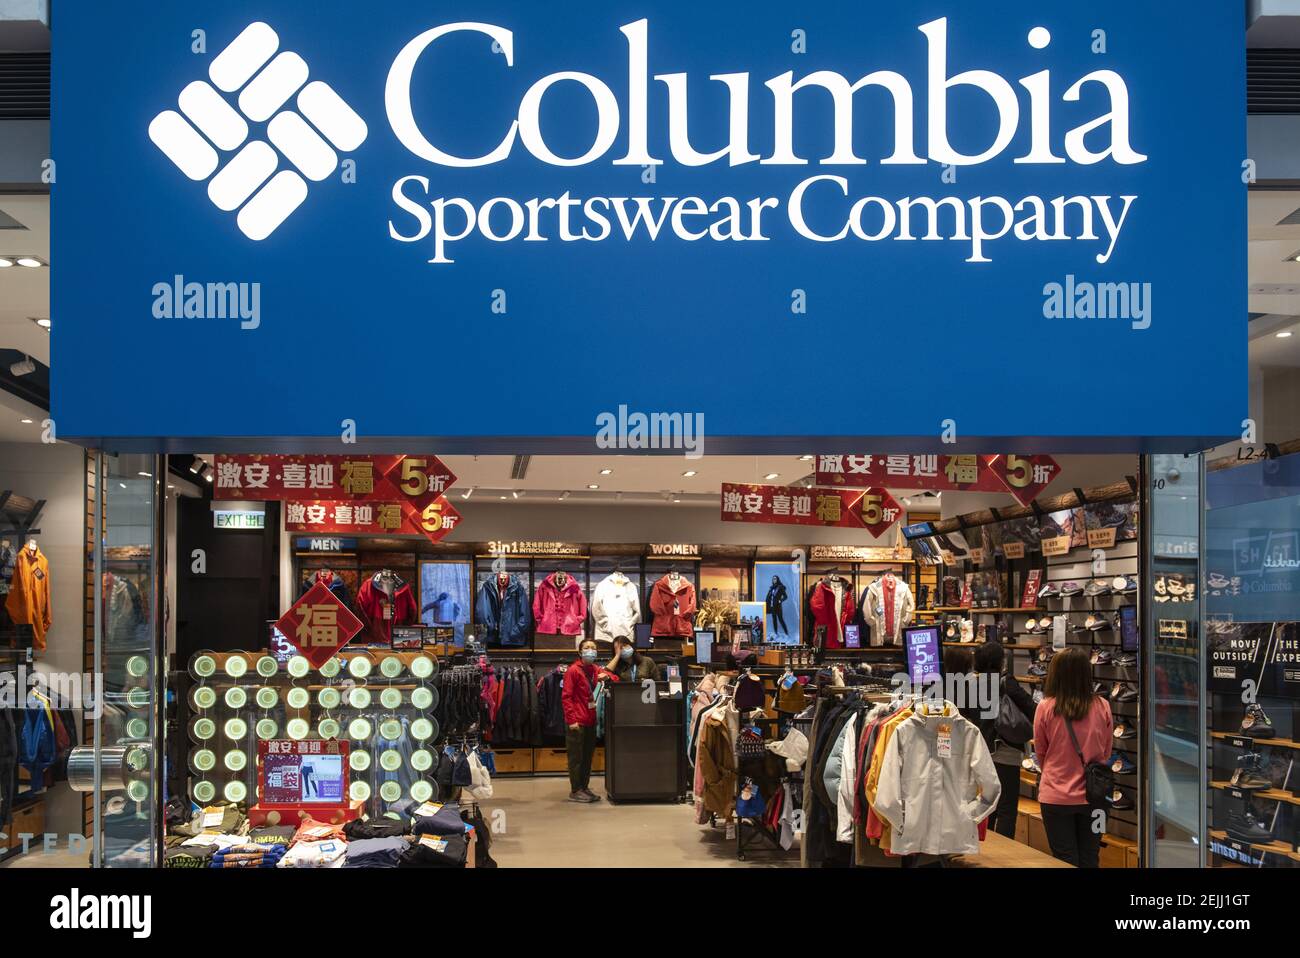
<point>629,664</point>
<point>580,718</point>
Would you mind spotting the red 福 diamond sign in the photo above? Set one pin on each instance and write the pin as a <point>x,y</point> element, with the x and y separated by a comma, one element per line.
<point>318,625</point>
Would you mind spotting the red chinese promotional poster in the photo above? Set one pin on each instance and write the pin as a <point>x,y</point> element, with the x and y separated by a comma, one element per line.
<point>434,521</point>
<point>319,625</point>
<point>1023,477</point>
<point>872,509</point>
<point>418,480</point>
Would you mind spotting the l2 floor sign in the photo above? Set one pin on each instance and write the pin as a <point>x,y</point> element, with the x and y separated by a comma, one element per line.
<point>420,194</point>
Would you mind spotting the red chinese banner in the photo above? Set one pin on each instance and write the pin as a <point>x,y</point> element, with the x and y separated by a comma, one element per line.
<point>1023,477</point>
<point>319,625</point>
<point>419,480</point>
<point>872,509</point>
<point>321,517</point>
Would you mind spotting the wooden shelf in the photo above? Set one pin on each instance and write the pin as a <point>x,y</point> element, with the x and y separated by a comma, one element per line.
<point>1272,794</point>
<point>1019,646</point>
<point>1271,742</point>
<point>1030,679</point>
<point>993,611</point>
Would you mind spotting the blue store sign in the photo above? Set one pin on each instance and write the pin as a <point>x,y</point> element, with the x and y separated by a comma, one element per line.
<point>475,219</point>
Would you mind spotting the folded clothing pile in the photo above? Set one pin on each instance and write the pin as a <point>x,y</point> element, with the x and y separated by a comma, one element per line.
<point>248,856</point>
<point>433,818</point>
<point>310,830</point>
<point>189,856</point>
<point>436,851</point>
<point>359,829</point>
<point>272,835</point>
<point>376,852</point>
<point>326,854</point>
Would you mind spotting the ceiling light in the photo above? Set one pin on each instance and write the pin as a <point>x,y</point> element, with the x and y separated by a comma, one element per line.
<point>147,475</point>
<point>593,486</point>
<point>516,493</point>
<point>5,262</point>
<point>805,458</point>
<point>677,500</point>
<point>122,484</point>
<point>23,367</point>
<point>503,498</point>
<point>606,472</point>
<point>25,422</point>
<point>196,465</point>
<point>1285,334</point>
<point>31,262</point>
<point>467,493</point>
<point>170,486</point>
<point>688,473</point>
<point>43,323</point>
<point>772,475</point>
<point>564,495</point>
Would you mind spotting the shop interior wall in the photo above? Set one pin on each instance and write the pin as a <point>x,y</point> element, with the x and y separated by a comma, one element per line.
<point>55,472</point>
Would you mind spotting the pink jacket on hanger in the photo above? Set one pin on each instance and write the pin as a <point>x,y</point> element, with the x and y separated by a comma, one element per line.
<point>560,611</point>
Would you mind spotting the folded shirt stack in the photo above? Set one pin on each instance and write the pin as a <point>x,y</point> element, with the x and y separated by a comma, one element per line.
<point>436,851</point>
<point>375,852</point>
<point>326,854</point>
<point>433,818</point>
<point>248,856</point>
<point>189,856</point>
<point>310,830</point>
<point>359,829</point>
<point>272,835</point>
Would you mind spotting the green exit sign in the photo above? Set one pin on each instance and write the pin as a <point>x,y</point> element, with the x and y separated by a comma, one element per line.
<point>227,519</point>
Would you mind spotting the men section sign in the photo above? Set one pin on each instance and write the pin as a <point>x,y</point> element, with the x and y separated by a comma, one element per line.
<point>417,479</point>
<point>765,180</point>
<point>872,509</point>
<point>1023,477</point>
<point>318,625</point>
<point>435,521</point>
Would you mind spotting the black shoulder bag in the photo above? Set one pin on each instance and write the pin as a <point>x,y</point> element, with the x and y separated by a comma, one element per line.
<point>1098,779</point>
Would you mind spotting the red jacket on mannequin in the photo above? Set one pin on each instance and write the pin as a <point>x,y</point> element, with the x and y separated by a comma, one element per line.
<point>823,606</point>
<point>678,622</point>
<point>560,611</point>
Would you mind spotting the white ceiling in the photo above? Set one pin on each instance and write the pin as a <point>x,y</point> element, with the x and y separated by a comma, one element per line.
<point>1274,278</point>
<point>25,293</point>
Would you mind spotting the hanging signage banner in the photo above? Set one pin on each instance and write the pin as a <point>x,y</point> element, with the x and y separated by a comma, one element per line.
<point>1002,174</point>
<point>872,509</point>
<point>1023,477</point>
<point>418,480</point>
<point>435,521</point>
<point>318,625</point>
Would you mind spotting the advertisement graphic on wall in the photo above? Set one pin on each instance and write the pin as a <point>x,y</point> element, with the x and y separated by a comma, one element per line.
<point>1001,174</point>
<point>777,584</point>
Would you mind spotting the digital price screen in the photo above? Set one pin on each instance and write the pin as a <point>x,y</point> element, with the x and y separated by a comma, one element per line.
<point>923,659</point>
<point>303,772</point>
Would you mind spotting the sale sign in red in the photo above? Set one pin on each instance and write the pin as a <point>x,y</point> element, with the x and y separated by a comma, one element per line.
<point>1023,477</point>
<point>872,509</point>
<point>435,521</point>
<point>416,479</point>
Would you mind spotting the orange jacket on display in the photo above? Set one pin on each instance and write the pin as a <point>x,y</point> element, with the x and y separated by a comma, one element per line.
<point>29,594</point>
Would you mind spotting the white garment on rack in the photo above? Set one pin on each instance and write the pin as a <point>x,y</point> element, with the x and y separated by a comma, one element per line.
<point>844,796</point>
<point>615,607</point>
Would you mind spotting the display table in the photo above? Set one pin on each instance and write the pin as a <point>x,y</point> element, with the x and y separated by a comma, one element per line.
<point>998,851</point>
<point>644,744</point>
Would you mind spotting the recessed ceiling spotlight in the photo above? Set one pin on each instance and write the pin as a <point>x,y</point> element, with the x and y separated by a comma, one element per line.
<point>147,475</point>
<point>688,473</point>
<point>516,493</point>
<point>772,475</point>
<point>31,262</point>
<point>5,262</point>
<point>606,472</point>
<point>41,322</point>
<point>25,422</point>
<point>805,458</point>
<point>1285,334</point>
<point>677,500</point>
<point>593,486</point>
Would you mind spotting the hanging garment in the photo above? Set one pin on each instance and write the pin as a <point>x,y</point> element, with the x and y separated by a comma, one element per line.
<point>889,605</point>
<point>937,783</point>
<point>832,606</point>
<point>37,743</point>
<point>332,582</point>
<point>382,611</point>
<point>717,762</point>
<point>550,703</point>
<point>28,602</point>
<point>560,611</point>
<point>8,763</point>
<point>503,612</point>
<point>749,692</point>
<point>8,560</point>
<point>615,607</point>
<point>673,609</point>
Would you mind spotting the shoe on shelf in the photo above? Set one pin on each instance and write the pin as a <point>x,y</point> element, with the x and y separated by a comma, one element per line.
<point>1070,588</point>
<point>1050,591</point>
<point>1038,670</point>
<point>1119,801</point>
<point>1125,732</point>
<point>1246,826</point>
<point>1250,772</point>
<point>1125,693</point>
<point>1030,764</point>
<point>1125,660</point>
<point>1130,585</point>
<point>1096,623</point>
<point>1098,688</point>
<point>1120,764</point>
<point>1100,656</point>
<point>1096,587</point>
<point>1256,722</point>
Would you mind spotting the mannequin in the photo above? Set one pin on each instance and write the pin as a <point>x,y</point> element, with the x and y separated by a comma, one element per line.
<point>672,600</point>
<point>385,601</point>
<point>501,610</point>
<point>560,605</point>
<point>28,602</point>
<point>615,607</point>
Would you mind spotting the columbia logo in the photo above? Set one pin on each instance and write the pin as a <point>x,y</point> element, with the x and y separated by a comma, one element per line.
<point>261,81</point>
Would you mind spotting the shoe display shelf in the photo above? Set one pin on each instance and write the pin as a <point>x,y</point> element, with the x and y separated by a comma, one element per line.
<point>1253,803</point>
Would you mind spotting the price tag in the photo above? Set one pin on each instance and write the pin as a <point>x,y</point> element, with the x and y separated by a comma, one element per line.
<point>1058,632</point>
<point>435,842</point>
<point>945,741</point>
<point>388,610</point>
<point>1056,546</point>
<point>212,817</point>
<point>1013,550</point>
<point>1101,538</point>
<point>977,556</point>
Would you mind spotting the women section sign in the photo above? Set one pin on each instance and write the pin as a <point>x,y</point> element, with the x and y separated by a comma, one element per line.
<point>764,179</point>
<point>872,509</point>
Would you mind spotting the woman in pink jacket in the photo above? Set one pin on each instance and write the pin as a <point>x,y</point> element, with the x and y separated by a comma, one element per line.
<point>1072,830</point>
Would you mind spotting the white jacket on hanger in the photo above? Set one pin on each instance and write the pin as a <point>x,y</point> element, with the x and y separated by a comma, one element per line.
<point>875,613</point>
<point>615,607</point>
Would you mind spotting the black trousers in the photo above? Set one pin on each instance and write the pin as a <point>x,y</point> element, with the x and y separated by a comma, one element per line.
<point>778,620</point>
<point>581,744</point>
<point>1003,819</point>
<point>1070,834</point>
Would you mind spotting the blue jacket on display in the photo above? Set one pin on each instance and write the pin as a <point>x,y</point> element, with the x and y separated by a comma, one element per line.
<point>506,619</point>
<point>36,741</point>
